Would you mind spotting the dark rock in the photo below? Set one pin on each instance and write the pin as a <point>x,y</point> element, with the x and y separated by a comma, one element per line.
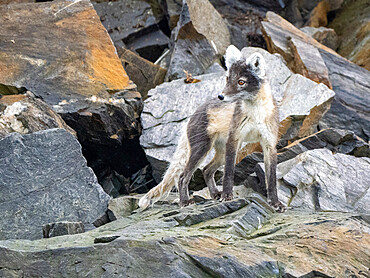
<point>200,37</point>
<point>310,12</point>
<point>320,180</point>
<point>172,9</point>
<point>132,24</point>
<point>33,56</point>
<point>338,141</point>
<point>109,131</point>
<point>325,36</point>
<point>189,216</point>
<point>62,228</point>
<point>351,23</point>
<point>45,179</point>
<point>105,238</point>
<point>27,114</point>
<point>350,108</point>
<point>143,72</point>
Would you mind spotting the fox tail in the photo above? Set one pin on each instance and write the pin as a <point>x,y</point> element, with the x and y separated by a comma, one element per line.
<point>171,176</point>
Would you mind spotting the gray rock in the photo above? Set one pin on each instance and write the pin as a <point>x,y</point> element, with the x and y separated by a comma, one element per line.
<point>200,37</point>
<point>62,228</point>
<point>27,114</point>
<point>44,179</point>
<point>323,35</point>
<point>320,180</point>
<point>191,216</point>
<point>122,206</point>
<point>133,25</point>
<point>255,216</point>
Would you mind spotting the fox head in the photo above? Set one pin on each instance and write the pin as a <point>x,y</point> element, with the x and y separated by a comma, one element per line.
<point>244,77</point>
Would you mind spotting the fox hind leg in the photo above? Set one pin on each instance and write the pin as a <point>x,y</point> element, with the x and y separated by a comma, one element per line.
<point>198,152</point>
<point>210,169</point>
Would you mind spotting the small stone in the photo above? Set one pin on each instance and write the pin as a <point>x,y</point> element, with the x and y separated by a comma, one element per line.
<point>62,228</point>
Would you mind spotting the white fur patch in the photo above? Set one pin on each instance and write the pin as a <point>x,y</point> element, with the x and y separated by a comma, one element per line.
<point>232,55</point>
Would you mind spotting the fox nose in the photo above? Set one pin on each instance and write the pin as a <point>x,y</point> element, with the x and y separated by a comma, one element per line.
<point>221,97</point>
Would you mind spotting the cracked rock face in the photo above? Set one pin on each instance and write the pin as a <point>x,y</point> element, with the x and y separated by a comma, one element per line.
<point>44,179</point>
<point>320,180</point>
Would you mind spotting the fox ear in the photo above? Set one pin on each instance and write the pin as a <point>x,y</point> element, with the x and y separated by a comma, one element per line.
<point>257,62</point>
<point>232,55</point>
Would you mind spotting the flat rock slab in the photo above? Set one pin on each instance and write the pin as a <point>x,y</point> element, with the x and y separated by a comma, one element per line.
<point>44,179</point>
<point>58,50</point>
<point>320,180</point>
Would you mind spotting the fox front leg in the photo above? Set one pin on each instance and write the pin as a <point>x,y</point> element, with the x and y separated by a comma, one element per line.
<point>230,155</point>
<point>270,161</point>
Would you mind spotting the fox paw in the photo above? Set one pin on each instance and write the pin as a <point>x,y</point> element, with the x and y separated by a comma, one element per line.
<point>277,206</point>
<point>216,196</point>
<point>186,203</point>
<point>226,196</point>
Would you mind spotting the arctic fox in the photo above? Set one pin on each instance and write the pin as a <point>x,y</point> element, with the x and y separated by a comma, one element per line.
<point>244,112</point>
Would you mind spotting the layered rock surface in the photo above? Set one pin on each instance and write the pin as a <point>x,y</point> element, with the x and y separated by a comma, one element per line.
<point>153,243</point>
<point>44,178</point>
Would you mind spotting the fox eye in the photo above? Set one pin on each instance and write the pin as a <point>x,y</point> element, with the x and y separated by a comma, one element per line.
<point>241,82</point>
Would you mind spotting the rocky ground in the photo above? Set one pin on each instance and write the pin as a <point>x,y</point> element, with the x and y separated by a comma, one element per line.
<point>93,96</point>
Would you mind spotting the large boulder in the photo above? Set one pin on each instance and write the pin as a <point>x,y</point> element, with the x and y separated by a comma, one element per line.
<point>200,37</point>
<point>350,82</point>
<point>44,178</point>
<point>170,105</point>
<point>27,114</point>
<point>133,25</point>
<point>321,180</point>
<point>33,57</point>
